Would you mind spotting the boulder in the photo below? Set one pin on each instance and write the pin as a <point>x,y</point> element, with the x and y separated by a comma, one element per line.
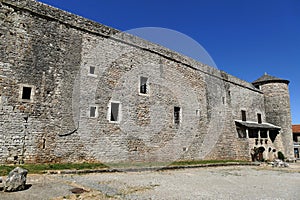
<point>16,180</point>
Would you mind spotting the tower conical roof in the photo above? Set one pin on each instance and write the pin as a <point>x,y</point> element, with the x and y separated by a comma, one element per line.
<point>266,78</point>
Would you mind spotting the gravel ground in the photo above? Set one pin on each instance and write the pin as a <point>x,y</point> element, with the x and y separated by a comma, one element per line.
<point>201,183</point>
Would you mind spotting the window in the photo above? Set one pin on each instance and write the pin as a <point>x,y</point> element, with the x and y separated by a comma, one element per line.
<point>273,134</point>
<point>144,85</point>
<point>93,111</point>
<point>244,118</point>
<point>263,134</point>
<point>114,111</point>
<point>259,118</point>
<point>44,143</point>
<point>26,93</point>
<point>241,132</point>
<point>198,113</point>
<point>92,70</point>
<point>176,115</point>
<point>253,133</point>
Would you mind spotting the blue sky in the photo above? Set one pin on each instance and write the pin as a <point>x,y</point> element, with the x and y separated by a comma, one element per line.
<point>245,38</point>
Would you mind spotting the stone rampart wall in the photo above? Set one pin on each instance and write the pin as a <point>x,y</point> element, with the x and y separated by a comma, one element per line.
<point>73,65</point>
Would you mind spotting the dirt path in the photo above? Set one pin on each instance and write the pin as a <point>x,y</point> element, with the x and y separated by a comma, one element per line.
<point>200,183</point>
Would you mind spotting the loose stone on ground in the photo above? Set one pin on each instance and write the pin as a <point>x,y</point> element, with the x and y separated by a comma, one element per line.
<point>16,180</point>
<point>231,182</point>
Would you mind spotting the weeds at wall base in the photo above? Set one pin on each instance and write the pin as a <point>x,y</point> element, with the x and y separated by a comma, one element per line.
<point>43,168</point>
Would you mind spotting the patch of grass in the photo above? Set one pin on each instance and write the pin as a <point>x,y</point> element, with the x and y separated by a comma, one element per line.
<point>41,168</point>
<point>5,169</point>
<point>137,164</point>
<point>176,163</point>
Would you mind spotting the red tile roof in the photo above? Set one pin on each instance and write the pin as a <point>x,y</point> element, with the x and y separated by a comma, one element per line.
<point>296,128</point>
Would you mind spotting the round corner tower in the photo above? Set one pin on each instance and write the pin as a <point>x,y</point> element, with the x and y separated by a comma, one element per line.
<point>277,108</point>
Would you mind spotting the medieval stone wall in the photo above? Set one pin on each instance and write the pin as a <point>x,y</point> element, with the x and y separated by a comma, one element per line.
<point>43,54</point>
<point>75,69</point>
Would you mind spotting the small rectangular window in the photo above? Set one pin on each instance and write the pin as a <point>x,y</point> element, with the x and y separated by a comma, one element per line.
<point>176,115</point>
<point>198,113</point>
<point>92,70</point>
<point>26,93</point>
<point>93,111</point>
<point>244,118</point>
<point>114,112</point>
<point>143,85</point>
<point>259,120</point>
